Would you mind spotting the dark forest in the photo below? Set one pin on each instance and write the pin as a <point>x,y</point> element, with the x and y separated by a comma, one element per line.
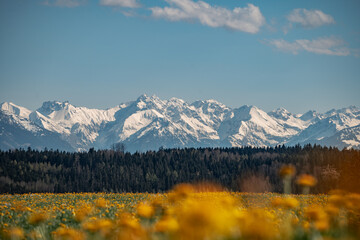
<point>234,169</point>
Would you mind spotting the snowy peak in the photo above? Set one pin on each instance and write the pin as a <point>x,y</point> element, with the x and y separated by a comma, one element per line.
<point>52,106</point>
<point>310,116</point>
<point>146,102</point>
<point>281,113</point>
<point>149,123</point>
<point>351,110</point>
<point>67,114</point>
<point>11,108</point>
<point>343,118</point>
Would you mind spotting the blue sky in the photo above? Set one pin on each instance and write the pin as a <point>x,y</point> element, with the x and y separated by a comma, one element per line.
<point>299,55</point>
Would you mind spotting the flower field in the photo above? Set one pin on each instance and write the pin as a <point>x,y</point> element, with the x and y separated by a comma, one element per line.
<point>183,213</point>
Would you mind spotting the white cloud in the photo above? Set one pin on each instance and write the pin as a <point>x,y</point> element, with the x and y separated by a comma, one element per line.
<point>64,3</point>
<point>326,45</point>
<point>120,3</point>
<point>248,19</point>
<point>309,18</point>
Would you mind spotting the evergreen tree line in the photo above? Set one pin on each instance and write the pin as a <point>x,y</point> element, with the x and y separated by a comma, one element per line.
<point>235,169</point>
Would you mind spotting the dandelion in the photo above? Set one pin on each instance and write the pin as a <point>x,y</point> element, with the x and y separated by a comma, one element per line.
<point>332,211</point>
<point>315,213</point>
<point>258,224</point>
<point>287,172</point>
<point>290,203</point>
<point>81,213</point>
<point>68,234</point>
<point>322,225</point>
<point>101,203</point>
<point>102,226</point>
<point>337,200</point>
<point>37,218</point>
<point>180,192</point>
<point>306,181</point>
<point>287,203</point>
<point>167,224</point>
<point>145,210</point>
<point>15,233</point>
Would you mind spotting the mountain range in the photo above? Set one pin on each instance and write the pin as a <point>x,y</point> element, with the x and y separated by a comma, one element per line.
<point>149,123</point>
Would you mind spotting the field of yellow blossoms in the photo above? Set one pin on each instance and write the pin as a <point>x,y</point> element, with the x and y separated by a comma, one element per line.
<point>188,212</point>
<point>183,213</point>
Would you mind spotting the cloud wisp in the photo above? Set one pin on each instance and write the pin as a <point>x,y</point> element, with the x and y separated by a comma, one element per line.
<point>65,3</point>
<point>120,3</point>
<point>247,19</point>
<point>309,18</point>
<point>326,45</point>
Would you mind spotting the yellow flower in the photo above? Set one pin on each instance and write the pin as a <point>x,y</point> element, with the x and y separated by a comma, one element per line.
<point>15,233</point>
<point>290,202</point>
<point>130,228</point>
<point>287,203</point>
<point>258,224</point>
<point>314,213</point>
<point>101,203</point>
<point>332,211</point>
<point>353,201</point>
<point>287,171</point>
<point>180,192</point>
<point>306,225</point>
<point>306,180</point>
<point>68,234</point>
<point>37,218</point>
<point>277,202</point>
<point>126,220</point>
<point>206,218</point>
<point>35,235</point>
<point>167,224</point>
<point>337,200</point>
<point>81,213</point>
<point>322,225</point>
<point>294,221</point>
<point>103,226</point>
<point>145,210</point>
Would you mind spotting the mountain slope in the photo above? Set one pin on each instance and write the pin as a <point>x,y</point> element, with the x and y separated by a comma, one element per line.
<point>335,128</point>
<point>13,135</point>
<point>149,123</point>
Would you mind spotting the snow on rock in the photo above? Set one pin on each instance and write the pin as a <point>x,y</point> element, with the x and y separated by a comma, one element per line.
<point>149,123</point>
<point>11,108</point>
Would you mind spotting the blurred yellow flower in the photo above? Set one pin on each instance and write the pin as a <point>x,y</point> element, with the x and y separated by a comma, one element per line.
<point>68,234</point>
<point>287,203</point>
<point>337,200</point>
<point>167,224</point>
<point>101,203</point>
<point>314,213</point>
<point>322,225</point>
<point>37,218</point>
<point>14,233</point>
<point>145,210</point>
<point>306,180</point>
<point>287,171</point>
<point>81,213</point>
<point>102,226</point>
<point>126,220</point>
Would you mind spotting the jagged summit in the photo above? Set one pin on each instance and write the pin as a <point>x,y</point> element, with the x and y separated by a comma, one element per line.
<point>150,122</point>
<point>51,106</point>
<point>281,113</point>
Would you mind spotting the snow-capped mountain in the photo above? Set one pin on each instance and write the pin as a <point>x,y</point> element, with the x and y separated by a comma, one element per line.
<point>16,130</point>
<point>149,123</point>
